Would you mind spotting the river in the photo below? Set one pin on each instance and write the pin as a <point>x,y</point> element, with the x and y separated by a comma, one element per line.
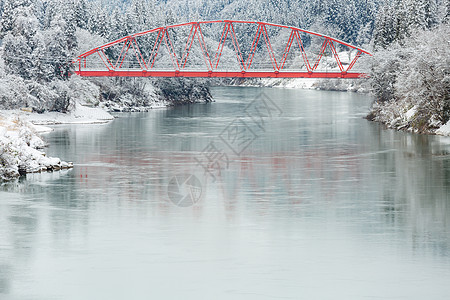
<point>263,194</point>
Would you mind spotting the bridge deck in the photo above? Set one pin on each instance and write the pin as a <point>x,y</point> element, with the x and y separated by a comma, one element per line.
<point>217,74</point>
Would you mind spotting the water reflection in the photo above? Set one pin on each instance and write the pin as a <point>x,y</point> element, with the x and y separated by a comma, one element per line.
<point>321,182</point>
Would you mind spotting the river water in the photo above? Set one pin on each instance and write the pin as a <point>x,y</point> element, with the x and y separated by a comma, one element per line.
<point>264,194</point>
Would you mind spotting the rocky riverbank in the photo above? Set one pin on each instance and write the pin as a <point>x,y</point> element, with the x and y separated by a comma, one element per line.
<point>403,115</point>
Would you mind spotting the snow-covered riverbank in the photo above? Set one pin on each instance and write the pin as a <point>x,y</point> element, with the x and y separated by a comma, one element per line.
<point>20,145</point>
<point>79,115</point>
<point>401,115</point>
<point>410,81</point>
<point>349,85</point>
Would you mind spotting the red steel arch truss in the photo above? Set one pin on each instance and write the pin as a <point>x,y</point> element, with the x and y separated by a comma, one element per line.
<point>147,65</point>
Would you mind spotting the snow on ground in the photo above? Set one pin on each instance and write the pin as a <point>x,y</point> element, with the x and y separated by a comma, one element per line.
<point>41,129</point>
<point>290,83</point>
<point>410,113</point>
<point>19,144</point>
<point>444,129</point>
<point>80,115</point>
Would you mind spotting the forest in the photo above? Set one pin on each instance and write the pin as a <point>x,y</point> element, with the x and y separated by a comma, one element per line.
<point>39,39</point>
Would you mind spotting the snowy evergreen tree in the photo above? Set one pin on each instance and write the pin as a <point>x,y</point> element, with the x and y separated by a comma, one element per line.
<point>58,46</point>
<point>80,12</point>
<point>384,33</point>
<point>99,20</point>
<point>45,11</point>
<point>399,19</point>
<point>445,7</point>
<point>8,18</point>
<point>18,43</point>
<point>421,14</point>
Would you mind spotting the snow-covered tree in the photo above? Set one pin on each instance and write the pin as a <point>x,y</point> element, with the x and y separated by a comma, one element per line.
<point>411,73</point>
<point>398,19</point>
<point>8,17</point>
<point>18,43</point>
<point>80,13</point>
<point>424,76</point>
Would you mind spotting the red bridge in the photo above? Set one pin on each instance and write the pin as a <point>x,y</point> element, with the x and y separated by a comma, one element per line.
<point>197,49</point>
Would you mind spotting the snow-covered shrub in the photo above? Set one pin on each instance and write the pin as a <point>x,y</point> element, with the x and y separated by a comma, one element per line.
<point>424,77</point>
<point>386,65</point>
<point>127,94</point>
<point>9,159</point>
<point>62,102</point>
<point>83,91</point>
<point>42,97</point>
<point>13,92</point>
<point>181,90</point>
